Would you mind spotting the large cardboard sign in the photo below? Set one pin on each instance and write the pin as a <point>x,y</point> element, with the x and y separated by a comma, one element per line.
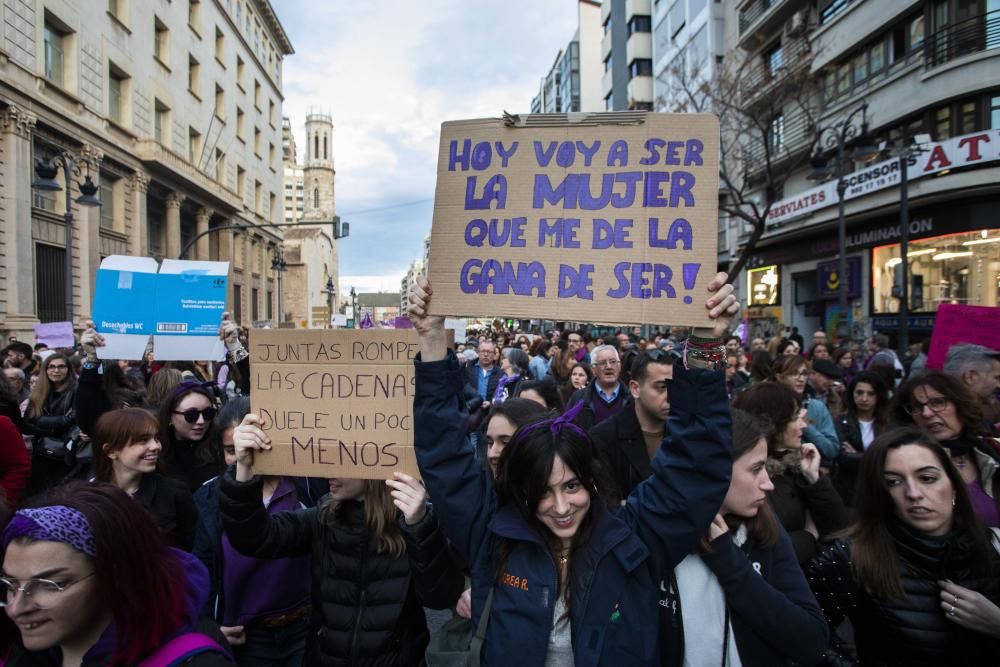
<point>335,402</point>
<point>180,303</point>
<point>588,222</point>
<point>956,323</point>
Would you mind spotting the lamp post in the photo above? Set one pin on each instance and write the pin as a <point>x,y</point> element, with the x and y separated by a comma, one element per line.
<point>278,264</point>
<point>330,291</point>
<point>910,147</point>
<point>354,307</point>
<point>838,136</point>
<point>46,170</point>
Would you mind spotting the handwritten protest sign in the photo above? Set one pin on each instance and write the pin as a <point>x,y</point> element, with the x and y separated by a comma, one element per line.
<point>55,334</point>
<point>335,402</point>
<point>610,223</point>
<point>956,324</point>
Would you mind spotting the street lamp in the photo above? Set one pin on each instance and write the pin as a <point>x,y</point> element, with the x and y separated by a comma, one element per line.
<point>279,265</point>
<point>838,136</point>
<point>46,170</point>
<point>910,147</point>
<point>354,307</point>
<point>330,291</point>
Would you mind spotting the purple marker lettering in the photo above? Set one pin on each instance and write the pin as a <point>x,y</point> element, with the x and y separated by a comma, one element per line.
<point>690,272</point>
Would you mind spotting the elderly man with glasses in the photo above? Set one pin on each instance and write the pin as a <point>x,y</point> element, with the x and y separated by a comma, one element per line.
<point>607,395</point>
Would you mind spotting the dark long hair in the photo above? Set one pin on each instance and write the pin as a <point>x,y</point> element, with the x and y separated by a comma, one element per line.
<point>139,578</point>
<point>203,450</point>
<point>772,400</point>
<point>523,479</point>
<point>747,432</point>
<point>120,389</point>
<point>874,559</point>
<point>760,366</point>
<point>116,430</point>
<point>36,401</point>
<point>967,408</point>
<point>547,389</point>
<point>881,400</point>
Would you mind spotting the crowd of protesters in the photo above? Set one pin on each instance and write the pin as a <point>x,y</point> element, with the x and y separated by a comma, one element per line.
<point>690,498</point>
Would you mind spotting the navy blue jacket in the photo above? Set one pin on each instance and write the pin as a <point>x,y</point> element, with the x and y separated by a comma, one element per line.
<point>472,379</point>
<point>775,617</point>
<point>615,589</point>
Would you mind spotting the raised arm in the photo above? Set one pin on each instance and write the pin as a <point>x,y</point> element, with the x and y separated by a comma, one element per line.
<point>672,509</point>
<point>457,483</point>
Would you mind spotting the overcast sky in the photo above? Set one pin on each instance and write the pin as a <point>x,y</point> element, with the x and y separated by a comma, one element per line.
<point>389,72</point>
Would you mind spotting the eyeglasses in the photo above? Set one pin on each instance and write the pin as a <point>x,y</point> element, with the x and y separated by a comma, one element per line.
<point>936,404</point>
<point>59,367</point>
<point>191,414</point>
<point>607,363</point>
<point>44,593</point>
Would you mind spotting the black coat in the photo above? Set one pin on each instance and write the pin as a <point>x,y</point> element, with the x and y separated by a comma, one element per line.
<point>57,418</point>
<point>170,503</point>
<point>775,618</point>
<point>620,441</point>
<point>794,496</point>
<point>586,419</point>
<point>368,606</point>
<point>912,631</point>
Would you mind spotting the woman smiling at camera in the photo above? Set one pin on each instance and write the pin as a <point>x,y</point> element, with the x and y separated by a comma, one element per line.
<point>741,598</point>
<point>89,581</point>
<point>917,575</point>
<point>129,458</point>
<point>568,577</point>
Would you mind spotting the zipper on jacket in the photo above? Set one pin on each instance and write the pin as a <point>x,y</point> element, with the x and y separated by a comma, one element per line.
<point>356,631</point>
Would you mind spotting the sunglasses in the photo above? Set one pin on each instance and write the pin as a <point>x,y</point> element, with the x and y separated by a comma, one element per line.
<point>191,414</point>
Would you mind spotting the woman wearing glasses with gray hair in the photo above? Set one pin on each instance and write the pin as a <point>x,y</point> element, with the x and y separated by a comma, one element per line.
<point>941,406</point>
<point>566,576</point>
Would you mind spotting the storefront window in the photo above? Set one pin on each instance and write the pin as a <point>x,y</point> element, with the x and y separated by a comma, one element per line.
<point>765,288</point>
<point>958,268</point>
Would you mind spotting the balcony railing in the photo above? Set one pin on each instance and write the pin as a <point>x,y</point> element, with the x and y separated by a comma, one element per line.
<point>979,33</point>
<point>758,77</point>
<point>754,12</point>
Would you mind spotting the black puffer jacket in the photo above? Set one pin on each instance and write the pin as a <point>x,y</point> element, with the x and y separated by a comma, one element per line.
<point>794,497</point>
<point>367,606</point>
<point>912,631</point>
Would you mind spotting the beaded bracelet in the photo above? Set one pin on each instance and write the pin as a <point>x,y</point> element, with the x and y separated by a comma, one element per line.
<point>713,353</point>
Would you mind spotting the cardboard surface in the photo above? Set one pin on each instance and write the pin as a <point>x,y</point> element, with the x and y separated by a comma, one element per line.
<point>179,303</point>
<point>335,402</point>
<point>613,223</point>
<point>956,324</point>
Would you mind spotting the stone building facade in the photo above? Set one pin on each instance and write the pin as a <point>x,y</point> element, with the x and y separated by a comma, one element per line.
<point>173,110</point>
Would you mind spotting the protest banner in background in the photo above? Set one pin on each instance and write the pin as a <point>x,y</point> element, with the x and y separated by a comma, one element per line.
<point>55,334</point>
<point>335,402</point>
<point>956,324</point>
<point>179,303</point>
<point>612,221</point>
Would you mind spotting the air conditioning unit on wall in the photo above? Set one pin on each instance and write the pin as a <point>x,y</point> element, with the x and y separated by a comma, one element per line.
<point>798,24</point>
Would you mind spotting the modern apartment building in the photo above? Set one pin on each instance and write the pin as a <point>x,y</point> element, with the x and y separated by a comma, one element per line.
<point>627,55</point>
<point>904,71</point>
<point>573,83</point>
<point>172,109</point>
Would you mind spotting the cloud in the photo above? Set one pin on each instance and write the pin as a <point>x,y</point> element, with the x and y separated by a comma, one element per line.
<point>389,73</point>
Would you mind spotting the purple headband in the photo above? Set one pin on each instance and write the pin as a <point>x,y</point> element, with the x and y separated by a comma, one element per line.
<point>192,385</point>
<point>55,523</point>
<point>555,426</point>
